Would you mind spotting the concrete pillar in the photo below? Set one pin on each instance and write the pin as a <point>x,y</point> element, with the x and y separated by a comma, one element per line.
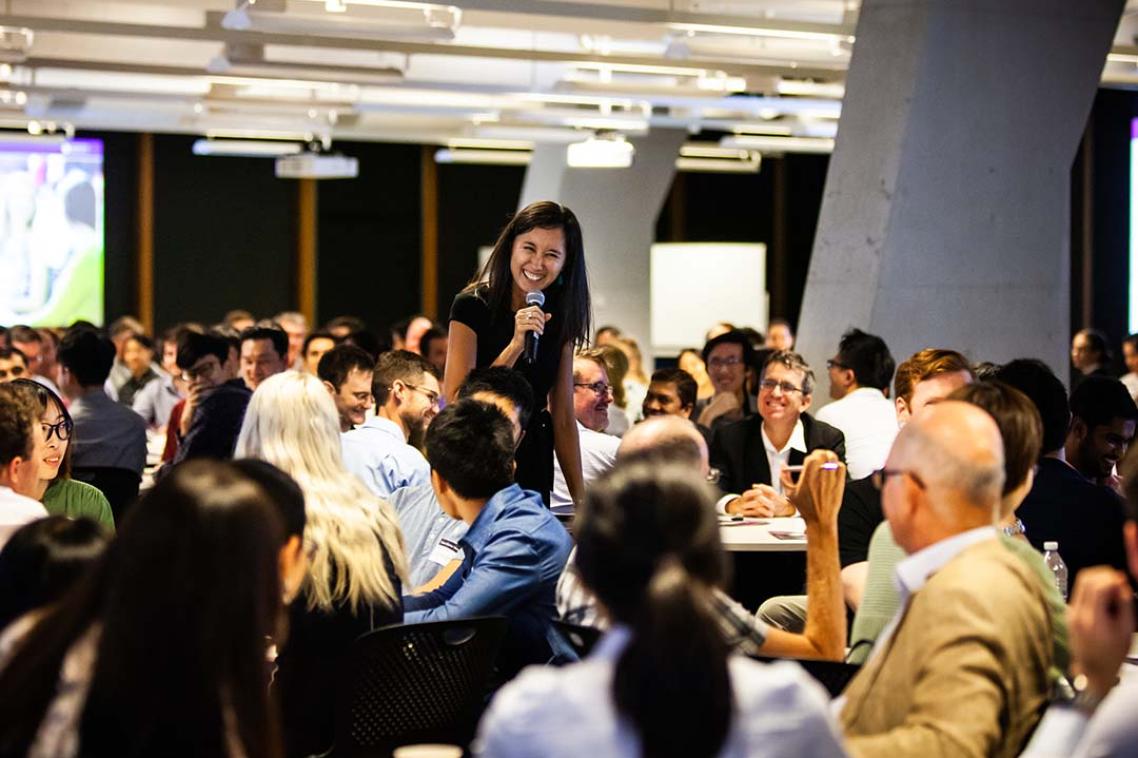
<point>617,209</point>
<point>945,219</point>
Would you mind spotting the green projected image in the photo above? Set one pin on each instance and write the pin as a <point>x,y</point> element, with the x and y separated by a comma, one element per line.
<point>51,231</point>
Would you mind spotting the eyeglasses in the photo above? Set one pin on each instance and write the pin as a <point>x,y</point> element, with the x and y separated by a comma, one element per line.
<point>881,476</point>
<point>61,429</point>
<point>431,395</point>
<point>770,385</point>
<point>834,364</point>
<point>731,362</point>
<point>201,371</point>
<point>600,388</point>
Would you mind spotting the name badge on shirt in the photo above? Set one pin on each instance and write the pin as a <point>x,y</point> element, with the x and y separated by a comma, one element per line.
<point>445,552</point>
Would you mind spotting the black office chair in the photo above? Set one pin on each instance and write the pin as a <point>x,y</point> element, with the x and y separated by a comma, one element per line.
<point>415,683</point>
<point>833,675</point>
<point>119,485</point>
<point>581,638</point>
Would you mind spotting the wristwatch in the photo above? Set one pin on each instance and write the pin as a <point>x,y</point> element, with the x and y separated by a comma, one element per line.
<point>1015,529</point>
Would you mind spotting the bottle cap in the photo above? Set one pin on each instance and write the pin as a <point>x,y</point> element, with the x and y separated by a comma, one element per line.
<point>1050,545</point>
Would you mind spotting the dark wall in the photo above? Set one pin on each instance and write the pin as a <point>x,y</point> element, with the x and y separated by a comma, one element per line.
<point>224,235</point>
<point>370,237</point>
<point>475,202</point>
<point>120,172</point>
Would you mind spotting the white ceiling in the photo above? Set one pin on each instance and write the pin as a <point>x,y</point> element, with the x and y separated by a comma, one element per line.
<point>520,70</point>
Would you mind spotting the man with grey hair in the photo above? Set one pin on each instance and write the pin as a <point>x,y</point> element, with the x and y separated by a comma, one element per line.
<point>670,439</point>
<point>751,454</point>
<point>962,669</point>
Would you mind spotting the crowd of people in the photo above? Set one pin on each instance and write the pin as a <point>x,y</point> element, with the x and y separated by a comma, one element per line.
<point>176,511</point>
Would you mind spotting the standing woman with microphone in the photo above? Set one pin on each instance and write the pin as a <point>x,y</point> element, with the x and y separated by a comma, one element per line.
<point>529,309</point>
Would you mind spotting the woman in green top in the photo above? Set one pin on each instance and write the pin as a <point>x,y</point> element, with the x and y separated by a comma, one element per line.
<point>60,494</point>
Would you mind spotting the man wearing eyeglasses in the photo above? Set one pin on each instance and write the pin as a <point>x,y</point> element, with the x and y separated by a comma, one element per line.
<point>210,417</point>
<point>592,395</point>
<point>750,454</point>
<point>385,451</point>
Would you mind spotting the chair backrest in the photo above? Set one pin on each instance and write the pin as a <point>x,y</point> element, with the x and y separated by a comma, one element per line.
<point>416,683</point>
<point>119,485</point>
<point>833,675</point>
<point>580,638</point>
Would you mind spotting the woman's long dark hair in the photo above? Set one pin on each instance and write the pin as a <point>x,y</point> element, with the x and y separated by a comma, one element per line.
<point>185,598</point>
<point>572,288</point>
<point>44,397</point>
<point>648,546</point>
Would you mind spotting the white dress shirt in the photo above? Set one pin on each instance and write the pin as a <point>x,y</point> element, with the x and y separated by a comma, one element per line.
<point>598,454</point>
<point>869,422</point>
<point>777,458</point>
<point>569,712</point>
<point>17,510</point>
<point>1067,732</point>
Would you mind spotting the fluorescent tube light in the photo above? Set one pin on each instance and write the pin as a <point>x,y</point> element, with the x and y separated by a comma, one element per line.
<point>718,165</point>
<point>484,157</point>
<point>804,88</point>
<point>773,144</point>
<point>246,148</point>
<point>761,31</point>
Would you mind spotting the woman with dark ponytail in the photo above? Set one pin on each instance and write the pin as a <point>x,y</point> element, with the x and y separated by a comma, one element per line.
<point>648,547</point>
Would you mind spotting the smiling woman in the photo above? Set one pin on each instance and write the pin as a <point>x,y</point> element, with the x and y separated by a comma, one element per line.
<point>540,251</point>
<point>60,494</point>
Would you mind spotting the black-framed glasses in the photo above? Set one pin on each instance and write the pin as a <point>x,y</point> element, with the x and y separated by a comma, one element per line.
<point>833,363</point>
<point>431,395</point>
<point>61,429</point>
<point>770,385</point>
<point>881,476</point>
<point>600,388</point>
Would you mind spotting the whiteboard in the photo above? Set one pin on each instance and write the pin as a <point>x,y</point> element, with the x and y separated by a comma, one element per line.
<point>697,284</point>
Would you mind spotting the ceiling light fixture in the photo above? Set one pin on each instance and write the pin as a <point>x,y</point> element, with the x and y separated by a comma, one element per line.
<point>761,31</point>
<point>484,157</point>
<point>773,144</point>
<point>601,151</point>
<point>246,148</point>
<point>807,88</point>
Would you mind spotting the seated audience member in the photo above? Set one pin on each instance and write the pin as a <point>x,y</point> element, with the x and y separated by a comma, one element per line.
<point>412,334</point>
<point>662,681</point>
<point>1090,355</point>
<point>429,534</point>
<point>107,435</point>
<point>295,325</point>
<point>157,399</point>
<point>751,454</point>
<point>384,452</point>
<point>30,343</point>
<point>1063,506</point>
<point>669,440</point>
<point>21,450</point>
<point>127,665</point>
<point>341,326</point>
<point>671,392</point>
<point>315,345</point>
<point>138,357</point>
<point>514,549</point>
<point>287,499</point>
<point>49,351</point>
<point>727,357</point>
<point>971,612</point>
<point>615,362</point>
<point>1130,358</point>
<point>592,394</point>
<point>635,381</point>
<point>13,364</point>
<point>120,330</point>
<point>354,581</point>
<point>860,373</point>
<point>43,560</point>
<point>433,347</point>
<point>1097,719</point>
<point>367,341</point>
<point>779,335</point>
<point>215,401</point>
<point>690,361</point>
<point>1021,431</point>
<point>347,372</point>
<point>1103,417</point>
<point>264,352</point>
<point>60,494</point>
<point>604,335</point>
<point>238,320</point>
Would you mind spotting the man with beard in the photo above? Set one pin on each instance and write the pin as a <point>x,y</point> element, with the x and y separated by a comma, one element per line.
<point>1102,427</point>
<point>384,452</point>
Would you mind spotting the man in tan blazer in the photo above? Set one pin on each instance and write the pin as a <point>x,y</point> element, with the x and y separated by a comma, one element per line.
<point>962,669</point>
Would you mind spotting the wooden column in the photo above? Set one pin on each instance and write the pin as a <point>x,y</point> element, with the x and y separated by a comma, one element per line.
<point>429,203</point>
<point>306,245</point>
<point>145,261</point>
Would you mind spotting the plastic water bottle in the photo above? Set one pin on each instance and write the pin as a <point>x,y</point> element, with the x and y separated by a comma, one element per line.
<point>1055,562</point>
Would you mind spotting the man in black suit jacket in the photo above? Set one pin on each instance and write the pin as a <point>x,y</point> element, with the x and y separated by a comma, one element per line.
<point>782,434</point>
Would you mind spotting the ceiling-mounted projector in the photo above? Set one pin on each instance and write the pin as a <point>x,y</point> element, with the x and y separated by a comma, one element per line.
<point>317,166</point>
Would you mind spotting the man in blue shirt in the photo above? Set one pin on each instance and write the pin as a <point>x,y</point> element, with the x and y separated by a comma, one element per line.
<point>515,548</point>
<point>383,452</point>
<point>430,536</point>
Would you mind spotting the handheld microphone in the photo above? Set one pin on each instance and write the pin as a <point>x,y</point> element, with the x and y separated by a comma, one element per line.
<point>530,353</point>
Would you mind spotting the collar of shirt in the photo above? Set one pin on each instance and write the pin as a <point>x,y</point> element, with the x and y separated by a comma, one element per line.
<point>482,527</point>
<point>864,395</point>
<point>776,458</point>
<point>387,426</point>
<point>915,570</point>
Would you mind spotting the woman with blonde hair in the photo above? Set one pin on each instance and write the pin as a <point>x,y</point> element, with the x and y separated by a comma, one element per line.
<point>357,565</point>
